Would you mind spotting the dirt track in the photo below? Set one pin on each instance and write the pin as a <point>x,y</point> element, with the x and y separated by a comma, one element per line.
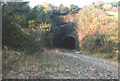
<point>58,65</point>
<point>94,68</point>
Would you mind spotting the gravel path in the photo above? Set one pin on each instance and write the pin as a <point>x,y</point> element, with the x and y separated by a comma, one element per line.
<point>58,65</point>
<point>94,68</point>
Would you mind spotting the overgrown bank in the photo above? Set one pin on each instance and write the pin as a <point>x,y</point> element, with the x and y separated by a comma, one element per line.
<point>30,29</point>
<point>44,26</point>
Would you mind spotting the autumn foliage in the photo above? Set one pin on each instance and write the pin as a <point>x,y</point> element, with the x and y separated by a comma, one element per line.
<point>44,26</point>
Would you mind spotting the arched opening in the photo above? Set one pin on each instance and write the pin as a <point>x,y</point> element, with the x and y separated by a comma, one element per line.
<point>68,43</point>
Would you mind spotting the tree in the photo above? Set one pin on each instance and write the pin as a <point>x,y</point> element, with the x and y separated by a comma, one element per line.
<point>74,9</point>
<point>14,14</point>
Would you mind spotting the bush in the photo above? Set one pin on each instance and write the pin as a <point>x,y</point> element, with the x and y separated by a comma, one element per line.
<point>98,43</point>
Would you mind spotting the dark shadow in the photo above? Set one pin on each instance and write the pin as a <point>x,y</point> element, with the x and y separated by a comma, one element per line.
<point>68,43</point>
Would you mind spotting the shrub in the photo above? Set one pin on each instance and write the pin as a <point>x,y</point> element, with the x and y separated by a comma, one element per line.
<point>98,43</point>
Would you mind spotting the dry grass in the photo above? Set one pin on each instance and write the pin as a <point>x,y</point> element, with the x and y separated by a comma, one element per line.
<point>51,64</point>
<point>47,64</point>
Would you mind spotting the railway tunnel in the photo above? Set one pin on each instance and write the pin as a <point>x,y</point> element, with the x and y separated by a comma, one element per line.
<point>68,43</point>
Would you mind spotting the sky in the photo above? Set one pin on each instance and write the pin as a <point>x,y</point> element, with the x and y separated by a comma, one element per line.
<point>80,3</point>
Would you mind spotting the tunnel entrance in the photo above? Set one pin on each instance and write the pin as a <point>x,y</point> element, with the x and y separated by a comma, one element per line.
<point>68,43</point>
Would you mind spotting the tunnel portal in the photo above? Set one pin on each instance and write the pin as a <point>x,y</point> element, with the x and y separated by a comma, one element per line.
<point>68,43</point>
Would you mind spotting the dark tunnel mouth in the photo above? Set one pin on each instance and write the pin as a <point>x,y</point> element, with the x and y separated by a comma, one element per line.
<point>68,43</point>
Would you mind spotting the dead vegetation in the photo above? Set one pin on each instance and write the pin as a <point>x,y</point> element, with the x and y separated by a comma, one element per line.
<point>48,64</point>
